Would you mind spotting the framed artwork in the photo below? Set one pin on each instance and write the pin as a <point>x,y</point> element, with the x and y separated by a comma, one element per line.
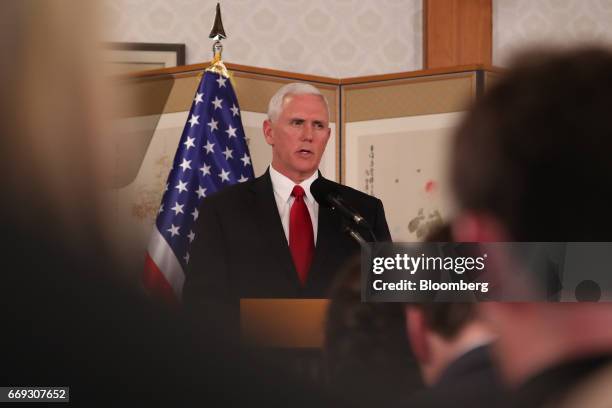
<point>396,141</point>
<point>127,57</point>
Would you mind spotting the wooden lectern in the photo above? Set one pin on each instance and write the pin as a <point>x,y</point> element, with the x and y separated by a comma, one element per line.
<point>283,323</point>
<point>289,332</point>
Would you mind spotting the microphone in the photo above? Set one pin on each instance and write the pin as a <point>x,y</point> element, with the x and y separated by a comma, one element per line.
<point>326,194</point>
<point>355,235</point>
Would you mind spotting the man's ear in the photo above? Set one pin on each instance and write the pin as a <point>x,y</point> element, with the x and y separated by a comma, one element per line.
<point>267,131</point>
<point>416,330</point>
<point>327,137</point>
<point>478,227</point>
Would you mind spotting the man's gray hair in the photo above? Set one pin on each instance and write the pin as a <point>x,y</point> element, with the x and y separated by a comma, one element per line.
<point>275,106</point>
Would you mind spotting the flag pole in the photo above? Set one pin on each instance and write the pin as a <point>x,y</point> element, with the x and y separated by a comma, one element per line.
<point>217,33</point>
<point>212,154</point>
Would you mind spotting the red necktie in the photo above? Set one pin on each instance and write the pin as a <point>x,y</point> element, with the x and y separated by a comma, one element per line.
<point>301,237</point>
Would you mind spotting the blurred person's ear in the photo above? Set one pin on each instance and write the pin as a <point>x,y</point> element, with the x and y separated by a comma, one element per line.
<point>478,227</point>
<point>417,333</point>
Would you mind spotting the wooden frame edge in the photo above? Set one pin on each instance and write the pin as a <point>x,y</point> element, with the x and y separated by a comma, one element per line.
<point>188,69</point>
<point>179,48</point>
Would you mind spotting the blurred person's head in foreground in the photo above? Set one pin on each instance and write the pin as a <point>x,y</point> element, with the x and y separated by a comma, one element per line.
<point>65,321</point>
<point>531,163</point>
<point>530,160</point>
<point>367,354</point>
<point>442,332</point>
<point>51,118</point>
<point>451,345</point>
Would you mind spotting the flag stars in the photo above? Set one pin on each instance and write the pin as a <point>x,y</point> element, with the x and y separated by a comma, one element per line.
<point>194,120</point>
<point>178,208</point>
<point>228,153</point>
<point>181,186</point>
<point>173,230</point>
<point>209,147</point>
<point>213,124</point>
<point>221,82</point>
<point>217,102</point>
<point>189,142</point>
<point>201,191</point>
<point>231,132</point>
<point>186,164</point>
<point>205,170</point>
<point>224,175</point>
<point>246,160</point>
<point>212,132</point>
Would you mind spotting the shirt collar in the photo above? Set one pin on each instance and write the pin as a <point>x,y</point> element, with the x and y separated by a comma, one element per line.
<point>283,185</point>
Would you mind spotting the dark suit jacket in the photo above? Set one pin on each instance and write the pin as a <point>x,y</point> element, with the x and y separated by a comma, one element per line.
<point>240,249</point>
<point>469,381</point>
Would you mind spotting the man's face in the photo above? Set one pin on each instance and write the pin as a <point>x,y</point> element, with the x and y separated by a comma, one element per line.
<point>298,136</point>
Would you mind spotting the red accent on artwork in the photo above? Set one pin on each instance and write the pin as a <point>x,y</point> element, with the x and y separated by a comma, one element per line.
<point>430,186</point>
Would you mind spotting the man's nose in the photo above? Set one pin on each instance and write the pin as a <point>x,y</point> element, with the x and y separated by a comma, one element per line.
<point>307,132</point>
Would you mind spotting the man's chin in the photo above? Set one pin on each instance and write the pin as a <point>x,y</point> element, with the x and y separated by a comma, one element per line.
<point>307,166</point>
<point>306,172</point>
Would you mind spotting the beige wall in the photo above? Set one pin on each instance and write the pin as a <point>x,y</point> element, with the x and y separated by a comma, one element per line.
<point>340,38</point>
<point>521,23</point>
<point>344,38</point>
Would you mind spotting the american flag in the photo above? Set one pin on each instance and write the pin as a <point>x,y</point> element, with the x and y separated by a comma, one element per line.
<point>211,155</point>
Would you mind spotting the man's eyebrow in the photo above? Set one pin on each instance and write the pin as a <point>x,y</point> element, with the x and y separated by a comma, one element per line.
<point>299,118</point>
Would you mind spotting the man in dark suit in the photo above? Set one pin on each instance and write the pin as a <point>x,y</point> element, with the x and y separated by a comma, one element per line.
<point>268,237</point>
<point>451,345</point>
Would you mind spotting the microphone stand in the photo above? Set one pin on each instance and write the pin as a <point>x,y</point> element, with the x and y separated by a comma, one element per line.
<point>366,254</point>
<point>355,235</point>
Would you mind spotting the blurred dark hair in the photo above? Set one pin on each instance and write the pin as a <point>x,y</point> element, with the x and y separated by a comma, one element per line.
<point>445,318</point>
<point>534,150</point>
<point>440,233</point>
<point>366,348</point>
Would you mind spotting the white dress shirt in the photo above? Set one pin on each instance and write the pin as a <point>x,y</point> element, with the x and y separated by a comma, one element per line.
<point>283,186</point>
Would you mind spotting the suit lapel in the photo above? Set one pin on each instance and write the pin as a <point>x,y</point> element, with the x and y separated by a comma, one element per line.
<point>271,228</point>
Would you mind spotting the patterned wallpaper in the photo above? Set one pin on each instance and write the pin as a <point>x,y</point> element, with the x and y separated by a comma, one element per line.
<point>523,23</point>
<point>340,38</point>
<point>344,38</point>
